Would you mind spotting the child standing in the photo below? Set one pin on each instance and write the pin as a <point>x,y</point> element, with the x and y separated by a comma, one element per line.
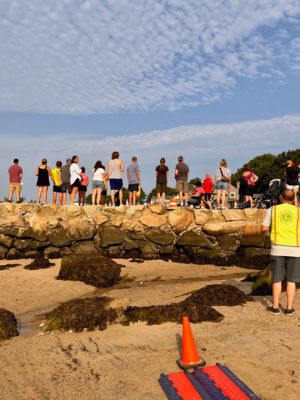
<point>56,178</point>
<point>83,187</point>
<point>207,186</point>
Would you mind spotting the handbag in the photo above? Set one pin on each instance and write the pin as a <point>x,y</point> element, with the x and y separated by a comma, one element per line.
<point>223,177</point>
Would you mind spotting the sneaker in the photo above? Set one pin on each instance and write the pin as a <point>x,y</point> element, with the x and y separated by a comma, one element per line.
<point>289,311</point>
<point>273,310</point>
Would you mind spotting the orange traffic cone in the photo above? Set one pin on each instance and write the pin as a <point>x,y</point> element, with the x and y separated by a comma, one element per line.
<point>189,356</point>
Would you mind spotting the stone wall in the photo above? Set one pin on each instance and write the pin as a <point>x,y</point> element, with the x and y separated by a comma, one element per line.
<point>150,232</point>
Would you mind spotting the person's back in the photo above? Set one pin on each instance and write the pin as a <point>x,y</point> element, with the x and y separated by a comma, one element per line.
<point>65,174</point>
<point>292,175</point>
<point>15,173</point>
<point>162,174</point>
<point>208,185</point>
<point>56,176</point>
<point>114,169</point>
<point>183,172</point>
<point>132,173</point>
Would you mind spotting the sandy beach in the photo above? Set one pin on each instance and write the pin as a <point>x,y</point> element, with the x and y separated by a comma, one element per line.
<point>124,362</point>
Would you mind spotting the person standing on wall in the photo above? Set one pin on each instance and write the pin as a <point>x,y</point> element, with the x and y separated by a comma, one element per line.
<point>43,172</point>
<point>292,178</point>
<point>251,180</point>
<point>283,221</point>
<point>134,180</point>
<point>56,178</point>
<point>162,173</point>
<point>15,173</point>
<point>222,182</point>
<point>75,178</point>
<point>115,168</point>
<point>65,180</point>
<point>83,187</point>
<point>181,177</point>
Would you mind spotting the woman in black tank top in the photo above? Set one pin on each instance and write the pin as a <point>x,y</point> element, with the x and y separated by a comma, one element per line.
<point>43,173</point>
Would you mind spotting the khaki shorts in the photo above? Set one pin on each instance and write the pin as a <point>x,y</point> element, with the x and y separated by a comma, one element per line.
<point>181,186</point>
<point>15,187</point>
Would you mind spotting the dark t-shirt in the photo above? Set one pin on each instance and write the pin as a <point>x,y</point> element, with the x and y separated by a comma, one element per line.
<point>292,175</point>
<point>183,172</point>
<point>65,174</point>
<point>14,173</point>
<point>161,178</point>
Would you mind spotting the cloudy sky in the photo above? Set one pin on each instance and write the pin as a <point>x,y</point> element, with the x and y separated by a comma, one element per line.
<point>206,79</point>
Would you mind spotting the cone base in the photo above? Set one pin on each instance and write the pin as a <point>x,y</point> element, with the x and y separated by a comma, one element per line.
<point>201,363</point>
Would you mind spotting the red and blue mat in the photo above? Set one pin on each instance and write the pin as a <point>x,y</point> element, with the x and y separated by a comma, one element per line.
<point>208,383</point>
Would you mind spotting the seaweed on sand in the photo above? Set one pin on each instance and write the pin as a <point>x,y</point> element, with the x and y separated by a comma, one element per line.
<point>39,262</point>
<point>8,324</point>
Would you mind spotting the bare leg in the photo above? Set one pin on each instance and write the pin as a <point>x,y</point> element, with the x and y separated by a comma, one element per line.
<point>99,196</point>
<point>73,194</point>
<point>18,192</point>
<point>45,192</point>
<point>39,193</point>
<point>130,198</point>
<point>296,198</point>
<point>10,194</point>
<point>290,294</point>
<point>163,197</point>
<point>64,198</point>
<point>218,197</point>
<point>94,191</point>
<point>121,196</point>
<point>180,198</point>
<point>60,199</point>
<point>158,197</point>
<point>276,290</point>
<point>83,198</point>
<point>134,198</point>
<point>112,196</point>
<point>223,197</point>
<point>54,197</point>
<point>186,196</point>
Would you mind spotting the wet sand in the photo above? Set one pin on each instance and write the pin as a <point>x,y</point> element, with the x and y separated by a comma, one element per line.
<point>125,362</point>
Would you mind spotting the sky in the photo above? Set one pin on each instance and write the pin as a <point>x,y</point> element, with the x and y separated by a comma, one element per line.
<point>205,79</point>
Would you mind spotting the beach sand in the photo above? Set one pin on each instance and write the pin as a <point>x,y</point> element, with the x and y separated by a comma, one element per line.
<point>125,362</point>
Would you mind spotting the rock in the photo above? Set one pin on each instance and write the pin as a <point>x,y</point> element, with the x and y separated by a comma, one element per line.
<point>93,211</point>
<point>36,244</point>
<point>58,237</point>
<point>3,252</point>
<point>6,241</point>
<point>253,240</point>
<point>157,208</point>
<point>31,254</point>
<point>111,236</point>
<point>234,215</point>
<point>166,250</point>
<point>201,216</point>
<point>255,252</point>
<point>116,219</point>
<point>79,229</point>
<point>68,212</point>
<point>254,214</point>
<point>153,220</point>
<point>94,270</point>
<point>262,285</point>
<point>52,252</point>
<point>13,254</point>
<point>130,244</point>
<point>191,238</point>
<point>216,216</point>
<point>100,219</point>
<point>181,219</point>
<point>223,228</point>
<point>149,249</point>
<point>86,247</point>
<point>22,244</point>
<point>115,251</point>
<point>228,242</point>
<point>132,224</point>
<point>159,236</point>
<point>8,324</point>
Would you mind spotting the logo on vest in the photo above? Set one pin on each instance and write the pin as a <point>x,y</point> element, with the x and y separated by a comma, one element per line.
<point>287,218</point>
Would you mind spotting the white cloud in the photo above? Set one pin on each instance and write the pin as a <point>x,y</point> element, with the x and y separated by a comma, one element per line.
<point>103,56</point>
<point>201,145</point>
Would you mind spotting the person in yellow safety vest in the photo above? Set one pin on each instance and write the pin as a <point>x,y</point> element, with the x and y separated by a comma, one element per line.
<point>283,221</point>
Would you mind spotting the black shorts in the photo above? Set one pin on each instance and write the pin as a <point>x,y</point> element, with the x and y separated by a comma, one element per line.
<point>82,188</point>
<point>66,187</point>
<point>76,183</point>
<point>56,189</point>
<point>250,190</point>
<point>285,267</point>
<point>133,187</point>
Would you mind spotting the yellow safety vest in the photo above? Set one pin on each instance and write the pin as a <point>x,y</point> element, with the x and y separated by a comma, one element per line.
<point>285,227</point>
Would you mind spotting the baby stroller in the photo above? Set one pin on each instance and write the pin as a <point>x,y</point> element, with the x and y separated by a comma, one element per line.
<point>272,195</point>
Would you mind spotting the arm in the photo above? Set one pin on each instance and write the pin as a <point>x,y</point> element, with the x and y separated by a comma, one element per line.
<point>266,224</point>
<point>121,166</point>
<point>36,172</point>
<point>49,172</point>
<point>138,174</point>
<point>21,174</point>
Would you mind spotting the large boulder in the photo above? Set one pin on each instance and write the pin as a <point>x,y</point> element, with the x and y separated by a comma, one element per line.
<point>79,228</point>
<point>201,216</point>
<point>191,238</point>
<point>229,242</point>
<point>161,237</point>
<point>234,215</point>
<point>94,270</point>
<point>152,220</point>
<point>6,241</point>
<point>111,236</point>
<point>8,324</point>
<point>157,208</point>
<point>223,228</point>
<point>59,237</point>
<point>85,247</point>
<point>181,219</point>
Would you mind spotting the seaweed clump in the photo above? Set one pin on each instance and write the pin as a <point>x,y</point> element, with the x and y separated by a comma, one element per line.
<point>8,324</point>
<point>8,266</point>
<point>217,295</point>
<point>39,262</point>
<point>94,270</point>
<point>80,314</point>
